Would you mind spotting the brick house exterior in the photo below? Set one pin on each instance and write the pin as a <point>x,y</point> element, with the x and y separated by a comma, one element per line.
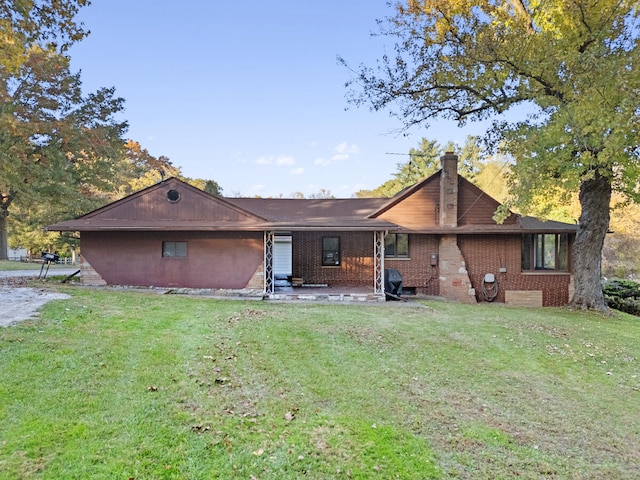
<point>438,234</point>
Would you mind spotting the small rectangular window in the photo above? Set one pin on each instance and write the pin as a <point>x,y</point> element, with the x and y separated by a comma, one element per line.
<point>330,251</point>
<point>174,249</point>
<point>396,245</point>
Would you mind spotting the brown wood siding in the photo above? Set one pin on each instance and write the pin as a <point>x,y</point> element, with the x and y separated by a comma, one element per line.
<point>474,206</point>
<point>418,210</point>
<point>192,206</point>
<point>421,209</point>
<point>488,253</point>
<point>417,271</point>
<point>356,259</point>
<point>214,260</point>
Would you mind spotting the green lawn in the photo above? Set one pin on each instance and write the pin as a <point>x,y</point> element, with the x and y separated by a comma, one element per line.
<point>144,386</point>
<point>6,265</point>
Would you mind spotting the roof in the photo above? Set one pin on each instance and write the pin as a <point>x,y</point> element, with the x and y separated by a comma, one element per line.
<point>155,209</point>
<point>303,214</point>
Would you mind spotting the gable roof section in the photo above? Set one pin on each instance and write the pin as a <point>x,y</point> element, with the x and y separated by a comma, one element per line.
<point>414,210</point>
<point>414,207</point>
<point>153,209</point>
<point>475,207</point>
<point>417,207</point>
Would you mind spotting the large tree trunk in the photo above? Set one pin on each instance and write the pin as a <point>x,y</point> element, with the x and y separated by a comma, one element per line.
<point>595,197</point>
<point>4,243</point>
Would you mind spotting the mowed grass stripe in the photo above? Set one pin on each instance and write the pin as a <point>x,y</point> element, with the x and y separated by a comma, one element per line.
<point>136,385</point>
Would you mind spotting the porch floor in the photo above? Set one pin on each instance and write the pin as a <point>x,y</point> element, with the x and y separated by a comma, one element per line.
<point>329,294</point>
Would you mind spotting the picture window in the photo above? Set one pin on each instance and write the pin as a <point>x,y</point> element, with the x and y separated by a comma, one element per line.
<point>549,251</point>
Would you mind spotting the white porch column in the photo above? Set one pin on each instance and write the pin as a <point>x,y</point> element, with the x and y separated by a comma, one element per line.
<point>378,262</point>
<point>269,277</point>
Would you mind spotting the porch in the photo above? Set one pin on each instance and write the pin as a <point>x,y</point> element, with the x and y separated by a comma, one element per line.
<point>325,294</point>
<point>359,261</point>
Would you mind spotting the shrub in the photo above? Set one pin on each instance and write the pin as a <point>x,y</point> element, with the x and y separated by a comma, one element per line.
<point>623,295</point>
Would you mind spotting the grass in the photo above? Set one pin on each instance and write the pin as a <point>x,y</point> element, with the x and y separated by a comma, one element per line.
<point>7,265</point>
<point>143,386</point>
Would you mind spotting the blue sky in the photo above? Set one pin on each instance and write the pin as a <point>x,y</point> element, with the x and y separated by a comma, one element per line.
<point>249,93</point>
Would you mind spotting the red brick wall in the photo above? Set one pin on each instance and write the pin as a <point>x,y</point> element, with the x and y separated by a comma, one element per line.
<point>356,259</point>
<point>214,260</point>
<point>417,271</point>
<point>488,253</point>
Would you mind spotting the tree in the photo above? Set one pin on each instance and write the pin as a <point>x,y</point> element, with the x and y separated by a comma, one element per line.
<point>27,30</point>
<point>424,161</point>
<point>572,65</point>
<point>323,193</point>
<point>142,169</point>
<point>48,23</point>
<point>58,147</point>
<point>621,252</point>
<point>209,186</point>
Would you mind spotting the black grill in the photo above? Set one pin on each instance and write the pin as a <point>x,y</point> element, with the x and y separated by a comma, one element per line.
<point>49,257</point>
<point>392,283</point>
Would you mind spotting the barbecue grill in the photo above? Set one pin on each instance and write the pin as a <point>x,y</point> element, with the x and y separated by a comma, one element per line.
<point>47,259</point>
<point>392,283</point>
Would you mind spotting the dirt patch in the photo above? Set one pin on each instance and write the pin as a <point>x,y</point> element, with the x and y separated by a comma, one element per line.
<point>22,303</point>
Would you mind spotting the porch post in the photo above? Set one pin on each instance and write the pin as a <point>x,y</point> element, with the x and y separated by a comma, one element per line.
<point>269,279</point>
<point>378,262</point>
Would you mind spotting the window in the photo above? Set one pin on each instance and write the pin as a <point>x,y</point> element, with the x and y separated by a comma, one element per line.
<point>330,251</point>
<point>174,249</point>
<point>173,196</point>
<point>396,245</point>
<point>549,251</point>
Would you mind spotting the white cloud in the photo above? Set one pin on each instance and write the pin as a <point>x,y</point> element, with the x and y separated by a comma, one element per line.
<point>280,161</point>
<point>342,152</point>
<point>285,160</point>
<point>296,171</point>
<point>345,149</point>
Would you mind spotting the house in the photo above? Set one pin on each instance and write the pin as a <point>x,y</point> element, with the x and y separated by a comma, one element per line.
<point>438,234</point>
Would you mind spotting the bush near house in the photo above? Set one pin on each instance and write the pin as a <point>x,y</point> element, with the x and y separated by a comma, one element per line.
<point>623,295</point>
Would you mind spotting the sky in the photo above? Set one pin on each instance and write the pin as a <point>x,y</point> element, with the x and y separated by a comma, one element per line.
<point>250,93</point>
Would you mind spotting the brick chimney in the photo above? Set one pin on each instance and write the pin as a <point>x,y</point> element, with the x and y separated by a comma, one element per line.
<point>449,190</point>
<point>455,283</point>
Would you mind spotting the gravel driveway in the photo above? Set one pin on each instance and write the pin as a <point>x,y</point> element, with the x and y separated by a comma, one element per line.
<point>19,302</point>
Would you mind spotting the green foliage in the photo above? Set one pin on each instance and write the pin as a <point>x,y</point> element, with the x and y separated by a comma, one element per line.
<point>571,67</point>
<point>425,161</point>
<point>623,295</point>
<point>58,147</point>
<point>62,152</point>
<point>48,23</point>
